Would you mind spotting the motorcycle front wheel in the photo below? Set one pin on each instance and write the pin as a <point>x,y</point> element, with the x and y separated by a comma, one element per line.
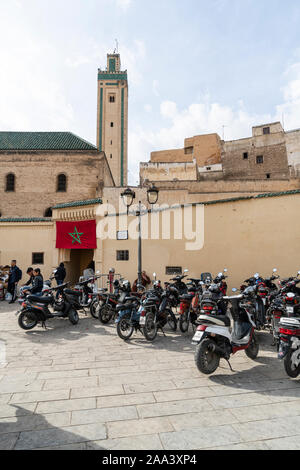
<point>94,308</point>
<point>291,370</point>
<point>25,322</point>
<point>253,349</point>
<point>150,328</point>
<point>105,314</point>
<point>172,321</point>
<point>125,328</point>
<point>206,359</point>
<point>73,316</point>
<point>184,322</point>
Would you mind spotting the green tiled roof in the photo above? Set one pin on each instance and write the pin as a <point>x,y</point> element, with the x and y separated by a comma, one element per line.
<point>32,219</point>
<point>43,141</point>
<point>112,75</point>
<point>88,202</point>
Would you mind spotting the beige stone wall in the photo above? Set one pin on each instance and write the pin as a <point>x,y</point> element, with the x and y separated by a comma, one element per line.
<point>204,149</point>
<point>36,180</point>
<point>293,151</point>
<point>19,240</point>
<point>239,236</point>
<point>168,172</point>
<point>271,147</point>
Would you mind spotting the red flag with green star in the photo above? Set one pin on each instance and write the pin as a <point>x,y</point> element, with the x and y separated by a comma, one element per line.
<point>76,235</point>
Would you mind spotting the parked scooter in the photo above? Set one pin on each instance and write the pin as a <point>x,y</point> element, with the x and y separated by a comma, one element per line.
<point>37,309</point>
<point>215,339</point>
<point>289,345</point>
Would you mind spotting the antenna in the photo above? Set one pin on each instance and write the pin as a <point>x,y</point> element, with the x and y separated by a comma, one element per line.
<point>116,51</point>
<point>224,131</point>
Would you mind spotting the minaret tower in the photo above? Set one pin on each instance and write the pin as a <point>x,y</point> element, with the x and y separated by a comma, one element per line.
<point>112,121</point>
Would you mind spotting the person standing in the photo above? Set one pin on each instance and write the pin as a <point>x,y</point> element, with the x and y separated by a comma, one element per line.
<point>60,275</point>
<point>89,271</point>
<point>15,275</point>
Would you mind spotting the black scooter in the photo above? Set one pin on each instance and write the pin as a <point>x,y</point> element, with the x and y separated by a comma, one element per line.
<point>36,309</point>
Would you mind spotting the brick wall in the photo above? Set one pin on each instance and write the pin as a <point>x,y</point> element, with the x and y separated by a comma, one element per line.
<point>36,180</point>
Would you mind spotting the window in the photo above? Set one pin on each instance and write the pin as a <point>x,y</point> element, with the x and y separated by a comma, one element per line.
<point>37,258</point>
<point>111,124</point>
<point>208,168</point>
<point>112,98</point>
<point>62,183</point>
<point>266,130</point>
<point>171,270</point>
<point>48,212</point>
<point>245,155</point>
<point>268,176</point>
<point>122,255</point>
<point>10,183</point>
<point>111,142</point>
<point>259,159</point>
<point>188,150</point>
<point>110,155</point>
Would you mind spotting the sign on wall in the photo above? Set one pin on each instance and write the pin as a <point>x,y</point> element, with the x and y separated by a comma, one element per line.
<point>76,235</point>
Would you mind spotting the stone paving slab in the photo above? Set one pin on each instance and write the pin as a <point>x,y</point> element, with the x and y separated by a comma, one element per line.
<point>82,388</point>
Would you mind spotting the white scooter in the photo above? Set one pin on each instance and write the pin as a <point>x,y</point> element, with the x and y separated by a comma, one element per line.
<point>215,339</point>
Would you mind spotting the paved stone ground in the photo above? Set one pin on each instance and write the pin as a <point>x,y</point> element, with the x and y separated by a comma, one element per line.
<point>83,388</point>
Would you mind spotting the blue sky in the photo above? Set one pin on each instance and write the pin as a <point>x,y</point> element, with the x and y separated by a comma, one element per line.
<point>194,66</point>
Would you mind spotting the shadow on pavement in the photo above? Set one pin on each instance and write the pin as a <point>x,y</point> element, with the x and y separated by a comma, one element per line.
<point>33,432</point>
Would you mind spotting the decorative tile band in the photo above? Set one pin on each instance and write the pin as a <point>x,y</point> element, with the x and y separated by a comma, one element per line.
<point>122,138</point>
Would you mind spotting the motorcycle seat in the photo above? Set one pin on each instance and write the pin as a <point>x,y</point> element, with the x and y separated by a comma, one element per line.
<point>187,297</point>
<point>130,299</point>
<point>40,300</point>
<point>123,307</point>
<point>220,320</point>
<point>73,292</point>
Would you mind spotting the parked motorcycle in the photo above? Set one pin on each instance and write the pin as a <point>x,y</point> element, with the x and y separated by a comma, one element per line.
<point>108,310</point>
<point>284,303</point>
<point>289,345</point>
<point>128,320</point>
<point>37,309</point>
<point>215,340</point>
<point>189,304</point>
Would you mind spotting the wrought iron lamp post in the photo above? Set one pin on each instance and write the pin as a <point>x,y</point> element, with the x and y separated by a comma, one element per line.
<point>128,197</point>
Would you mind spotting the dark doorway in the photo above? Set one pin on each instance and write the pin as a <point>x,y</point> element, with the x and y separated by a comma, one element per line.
<point>79,260</point>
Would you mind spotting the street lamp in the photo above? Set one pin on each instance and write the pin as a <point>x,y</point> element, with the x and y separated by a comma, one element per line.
<point>152,195</point>
<point>128,197</point>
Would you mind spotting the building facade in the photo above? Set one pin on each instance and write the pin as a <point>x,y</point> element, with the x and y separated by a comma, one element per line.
<point>237,234</point>
<point>267,161</point>
<point>112,117</point>
<point>41,169</point>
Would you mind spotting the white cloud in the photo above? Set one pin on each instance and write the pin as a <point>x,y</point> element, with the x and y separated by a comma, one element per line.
<point>124,4</point>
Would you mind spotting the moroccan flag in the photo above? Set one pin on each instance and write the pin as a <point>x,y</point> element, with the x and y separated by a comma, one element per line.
<point>76,235</point>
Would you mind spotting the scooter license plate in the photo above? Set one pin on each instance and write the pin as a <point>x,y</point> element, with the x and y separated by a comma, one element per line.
<point>197,337</point>
<point>143,321</point>
<point>290,309</point>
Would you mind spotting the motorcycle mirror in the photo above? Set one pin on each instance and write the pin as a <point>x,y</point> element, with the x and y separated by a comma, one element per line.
<point>234,290</point>
<point>97,272</point>
<point>298,273</point>
<point>256,275</point>
<point>220,275</point>
<point>186,271</point>
<point>225,270</point>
